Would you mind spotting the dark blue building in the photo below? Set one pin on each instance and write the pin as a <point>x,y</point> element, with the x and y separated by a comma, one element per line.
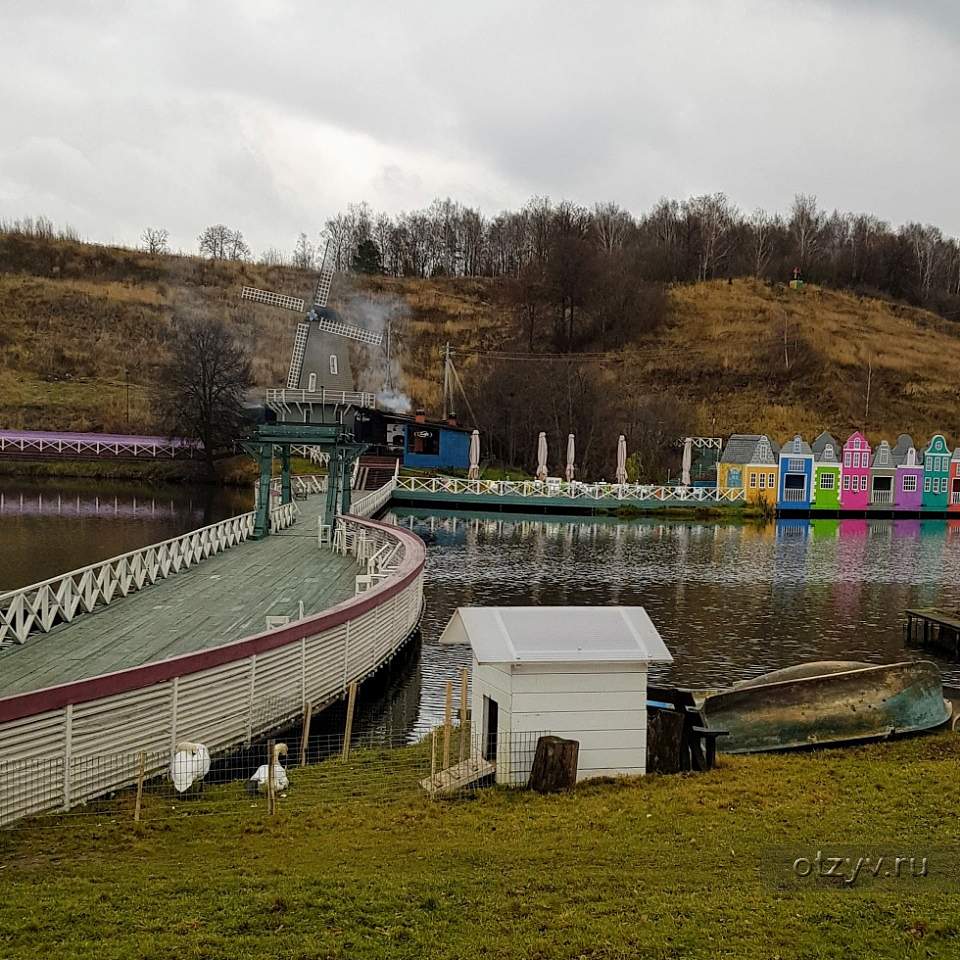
<point>418,442</point>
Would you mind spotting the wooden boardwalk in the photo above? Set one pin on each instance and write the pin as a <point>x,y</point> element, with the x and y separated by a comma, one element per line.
<point>224,598</point>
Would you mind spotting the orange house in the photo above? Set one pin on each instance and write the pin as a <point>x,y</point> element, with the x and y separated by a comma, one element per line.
<point>761,473</point>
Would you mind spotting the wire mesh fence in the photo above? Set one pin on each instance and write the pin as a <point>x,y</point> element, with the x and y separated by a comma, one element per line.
<point>272,776</point>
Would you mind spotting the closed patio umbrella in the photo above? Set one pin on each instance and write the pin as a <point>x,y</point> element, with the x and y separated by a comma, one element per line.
<point>687,460</point>
<point>571,457</point>
<point>542,456</point>
<point>622,459</point>
<point>474,472</point>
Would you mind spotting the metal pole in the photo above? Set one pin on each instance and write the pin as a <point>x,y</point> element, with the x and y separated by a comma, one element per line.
<point>285,494</point>
<point>446,378</point>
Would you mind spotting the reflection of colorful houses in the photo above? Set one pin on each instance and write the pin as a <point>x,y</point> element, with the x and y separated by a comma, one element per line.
<point>883,474</point>
<point>796,475</point>
<point>826,478</point>
<point>954,505</point>
<point>760,473</point>
<point>735,457</point>
<point>908,478</point>
<point>855,473</point>
<point>936,474</point>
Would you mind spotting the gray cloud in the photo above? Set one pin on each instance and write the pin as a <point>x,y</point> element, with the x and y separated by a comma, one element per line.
<point>272,115</point>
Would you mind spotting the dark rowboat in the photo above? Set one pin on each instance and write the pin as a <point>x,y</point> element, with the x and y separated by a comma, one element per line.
<point>828,702</point>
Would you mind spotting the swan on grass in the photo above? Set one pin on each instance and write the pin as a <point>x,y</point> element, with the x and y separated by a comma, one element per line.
<point>258,782</point>
<point>189,765</point>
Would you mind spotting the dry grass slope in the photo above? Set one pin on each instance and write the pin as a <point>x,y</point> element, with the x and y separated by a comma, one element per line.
<point>77,323</point>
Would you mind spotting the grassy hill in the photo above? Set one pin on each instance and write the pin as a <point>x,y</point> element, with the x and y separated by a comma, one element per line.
<point>83,330</point>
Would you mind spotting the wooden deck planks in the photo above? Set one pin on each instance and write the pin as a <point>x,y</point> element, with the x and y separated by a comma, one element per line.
<point>222,599</point>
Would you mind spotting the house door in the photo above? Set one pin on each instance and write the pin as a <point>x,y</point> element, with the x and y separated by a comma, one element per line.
<point>491,718</point>
<point>955,490</point>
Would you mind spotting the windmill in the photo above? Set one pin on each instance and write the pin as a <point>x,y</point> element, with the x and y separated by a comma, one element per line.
<point>320,361</point>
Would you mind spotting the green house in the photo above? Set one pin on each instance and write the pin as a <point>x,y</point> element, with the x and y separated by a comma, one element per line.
<point>826,478</point>
<point>936,474</point>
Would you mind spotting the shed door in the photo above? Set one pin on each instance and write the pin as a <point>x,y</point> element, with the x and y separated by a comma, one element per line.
<point>491,720</point>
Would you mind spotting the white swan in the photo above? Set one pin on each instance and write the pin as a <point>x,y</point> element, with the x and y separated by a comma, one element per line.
<point>258,782</point>
<point>190,763</point>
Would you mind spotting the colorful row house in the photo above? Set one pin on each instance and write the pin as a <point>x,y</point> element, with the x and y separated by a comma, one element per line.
<point>823,476</point>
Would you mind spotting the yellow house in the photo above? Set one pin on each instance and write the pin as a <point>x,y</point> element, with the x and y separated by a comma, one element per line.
<point>737,453</point>
<point>760,474</point>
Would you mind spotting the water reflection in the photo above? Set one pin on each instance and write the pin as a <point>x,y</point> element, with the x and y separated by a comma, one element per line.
<point>731,600</point>
<point>48,527</point>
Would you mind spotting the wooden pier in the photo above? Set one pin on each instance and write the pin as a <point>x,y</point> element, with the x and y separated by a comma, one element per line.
<point>932,628</point>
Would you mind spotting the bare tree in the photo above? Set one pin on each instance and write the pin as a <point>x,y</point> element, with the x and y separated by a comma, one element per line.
<point>806,225</point>
<point>926,244</point>
<point>214,240</point>
<point>761,241</point>
<point>304,253</point>
<point>155,240</point>
<point>272,257</point>
<point>204,384</point>
<point>713,216</point>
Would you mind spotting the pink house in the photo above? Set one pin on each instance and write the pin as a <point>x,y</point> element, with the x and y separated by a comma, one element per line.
<point>855,473</point>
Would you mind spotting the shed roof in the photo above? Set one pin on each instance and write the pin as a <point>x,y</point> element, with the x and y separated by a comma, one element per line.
<point>557,634</point>
<point>797,447</point>
<point>883,457</point>
<point>827,454</point>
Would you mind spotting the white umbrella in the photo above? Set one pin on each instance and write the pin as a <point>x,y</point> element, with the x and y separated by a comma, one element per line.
<point>542,456</point>
<point>687,460</point>
<point>474,472</point>
<point>622,459</point>
<point>571,457</point>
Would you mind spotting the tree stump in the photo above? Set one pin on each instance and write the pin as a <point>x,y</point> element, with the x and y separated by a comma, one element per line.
<point>665,742</point>
<point>554,765</point>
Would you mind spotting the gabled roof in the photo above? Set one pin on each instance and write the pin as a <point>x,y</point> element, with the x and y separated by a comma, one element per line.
<point>827,454</point>
<point>765,450</point>
<point>903,444</point>
<point>739,448</point>
<point>883,457</point>
<point>934,440</point>
<point>797,447</point>
<point>956,456</point>
<point>557,634</point>
<point>822,441</point>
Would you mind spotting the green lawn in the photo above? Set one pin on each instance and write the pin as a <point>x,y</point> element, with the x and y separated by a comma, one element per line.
<point>357,864</point>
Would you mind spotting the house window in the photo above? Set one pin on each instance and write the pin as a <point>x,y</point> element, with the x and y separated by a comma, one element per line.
<point>926,484</point>
<point>312,383</point>
<point>827,481</point>
<point>795,466</point>
<point>333,364</point>
<point>863,483</point>
<point>909,484</point>
<point>753,480</point>
<point>763,481</point>
<point>772,480</point>
<point>856,459</point>
<point>846,482</point>
<point>846,458</point>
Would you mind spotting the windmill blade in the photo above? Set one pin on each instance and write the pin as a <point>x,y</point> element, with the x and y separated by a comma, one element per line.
<point>272,299</point>
<point>327,270</point>
<point>348,330</point>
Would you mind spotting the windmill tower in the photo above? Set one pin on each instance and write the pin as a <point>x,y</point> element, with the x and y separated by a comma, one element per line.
<point>320,370</point>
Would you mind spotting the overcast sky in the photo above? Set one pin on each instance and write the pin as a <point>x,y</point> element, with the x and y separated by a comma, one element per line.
<point>270,115</point>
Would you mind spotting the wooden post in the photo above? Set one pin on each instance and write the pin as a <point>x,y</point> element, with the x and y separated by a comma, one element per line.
<point>141,770</point>
<point>305,733</point>
<point>433,757</point>
<point>271,799</point>
<point>348,729</point>
<point>447,721</point>
<point>463,713</point>
<point>554,765</point>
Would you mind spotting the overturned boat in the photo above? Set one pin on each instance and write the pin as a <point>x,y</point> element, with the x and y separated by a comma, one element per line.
<point>828,702</point>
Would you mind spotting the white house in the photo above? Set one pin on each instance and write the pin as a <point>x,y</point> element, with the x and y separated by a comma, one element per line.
<point>575,672</point>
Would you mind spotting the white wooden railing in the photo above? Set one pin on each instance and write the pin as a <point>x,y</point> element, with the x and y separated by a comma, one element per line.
<point>369,502</point>
<point>573,491</point>
<point>41,606</point>
<point>377,553</point>
<point>284,398</point>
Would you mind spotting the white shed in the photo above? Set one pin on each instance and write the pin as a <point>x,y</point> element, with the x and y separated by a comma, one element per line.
<point>575,672</point>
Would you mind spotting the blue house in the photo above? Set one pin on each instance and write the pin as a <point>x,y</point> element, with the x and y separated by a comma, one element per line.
<point>796,475</point>
<point>415,441</point>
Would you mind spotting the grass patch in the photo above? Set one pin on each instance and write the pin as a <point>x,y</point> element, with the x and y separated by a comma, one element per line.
<point>665,867</point>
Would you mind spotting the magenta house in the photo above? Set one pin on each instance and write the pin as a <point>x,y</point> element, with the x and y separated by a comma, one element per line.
<point>855,473</point>
<point>908,484</point>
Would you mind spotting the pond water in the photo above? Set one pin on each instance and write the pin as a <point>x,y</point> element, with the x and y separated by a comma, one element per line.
<point>51,526</point>
<point>731,600</point>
